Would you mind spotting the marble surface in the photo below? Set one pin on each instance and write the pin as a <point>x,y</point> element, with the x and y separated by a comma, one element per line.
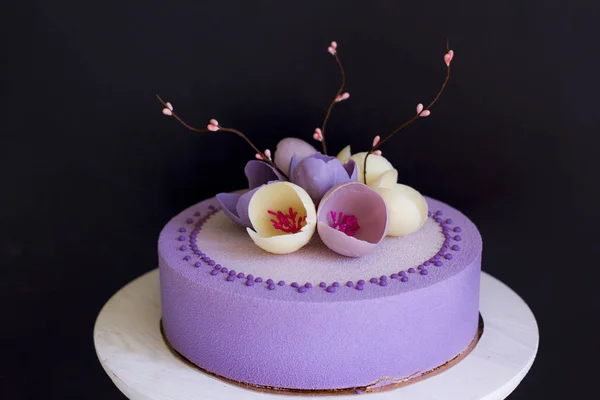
<point>131,350</point>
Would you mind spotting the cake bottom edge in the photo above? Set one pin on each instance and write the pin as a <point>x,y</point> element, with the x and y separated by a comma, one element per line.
<point>381,384</point>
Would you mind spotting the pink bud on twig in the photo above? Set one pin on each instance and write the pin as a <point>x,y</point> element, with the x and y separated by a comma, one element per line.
<point>318,135</point>
<point>332,49</point>
<point>213,125</point>
<point>377,152</point>
<point>342,97</point>
<point>448,57</point>
<point>167,111</point>
<point>376,140</point>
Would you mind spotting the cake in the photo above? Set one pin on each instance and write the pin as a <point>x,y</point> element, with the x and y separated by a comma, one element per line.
<point>324,275</point>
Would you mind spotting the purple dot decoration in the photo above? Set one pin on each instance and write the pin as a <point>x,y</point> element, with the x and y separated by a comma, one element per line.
<point>436,260</point>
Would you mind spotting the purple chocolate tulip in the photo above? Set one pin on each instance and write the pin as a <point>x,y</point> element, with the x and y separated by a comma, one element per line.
<point>352,219</point>
<point>318,173</point>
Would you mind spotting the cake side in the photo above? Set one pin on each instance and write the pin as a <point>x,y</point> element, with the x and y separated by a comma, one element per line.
<point>318,338</point>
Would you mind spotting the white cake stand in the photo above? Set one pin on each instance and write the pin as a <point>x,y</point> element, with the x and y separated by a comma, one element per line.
<point>131,349</point>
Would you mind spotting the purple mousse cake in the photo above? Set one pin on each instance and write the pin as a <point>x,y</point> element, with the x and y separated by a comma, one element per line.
<point>313,319</point>
<point>325,274</point>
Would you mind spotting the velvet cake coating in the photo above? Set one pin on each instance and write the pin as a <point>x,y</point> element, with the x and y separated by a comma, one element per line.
<point>311,320</point>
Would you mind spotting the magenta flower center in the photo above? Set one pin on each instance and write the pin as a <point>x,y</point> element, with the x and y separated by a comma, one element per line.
<point>345,223</point>
<point>288,223</point>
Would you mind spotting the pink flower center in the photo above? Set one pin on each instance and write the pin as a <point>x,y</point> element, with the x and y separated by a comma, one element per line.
<point>345,223</point>
<point>288,223</point>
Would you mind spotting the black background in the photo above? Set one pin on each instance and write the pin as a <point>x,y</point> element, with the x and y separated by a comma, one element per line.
<point>90,170</point>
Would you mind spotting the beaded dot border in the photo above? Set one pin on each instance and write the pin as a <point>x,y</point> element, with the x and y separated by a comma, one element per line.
<point>451,239</point>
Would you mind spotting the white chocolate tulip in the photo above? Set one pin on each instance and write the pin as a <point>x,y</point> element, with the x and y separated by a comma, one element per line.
<point>388,179</point>
<point>280,196</point>
<point>345,154</point>
<point>376,165</point>
<point>406,207</point>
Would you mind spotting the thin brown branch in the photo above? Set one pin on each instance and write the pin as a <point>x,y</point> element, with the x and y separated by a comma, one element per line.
<point>333,102</point>
<point>411,120</point>
<point>264,158</point>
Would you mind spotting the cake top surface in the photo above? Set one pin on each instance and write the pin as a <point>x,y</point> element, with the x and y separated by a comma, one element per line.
<point>202,244</point>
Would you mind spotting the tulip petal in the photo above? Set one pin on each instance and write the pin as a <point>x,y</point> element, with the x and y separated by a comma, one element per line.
<point>282,244</point>
<point>286,148</point>
<point>259,172</point>
<point>407,209</point>
<point>376,165</point>
<point>387,179</point>
<point>359,200</point>
<point>344,154</point>
<point>343,244</point>
<point>352,170</point>
<point>229,203</point>
<point>242,207</point>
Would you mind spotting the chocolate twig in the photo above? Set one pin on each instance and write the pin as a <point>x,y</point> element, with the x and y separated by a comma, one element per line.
<point>335,100</point>
<point>412,119</point>
<point>263,156</point>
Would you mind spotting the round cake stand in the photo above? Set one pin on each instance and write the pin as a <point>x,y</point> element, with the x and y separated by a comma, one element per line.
<point>133,353</point>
